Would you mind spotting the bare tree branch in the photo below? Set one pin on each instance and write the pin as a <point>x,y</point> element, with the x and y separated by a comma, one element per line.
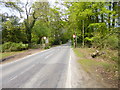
<point>26,9</point>
<point>30,10</point>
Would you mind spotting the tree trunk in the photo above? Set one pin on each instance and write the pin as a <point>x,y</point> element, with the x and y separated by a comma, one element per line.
<point>83,34</point>
<point>109,19</point>
<point>102,18</point>
<point>109,22</point>
<point>39,40</point>
<point>29,37</point>
<point>96,16</point>
<point>114,9</point>
<point>118,9</point>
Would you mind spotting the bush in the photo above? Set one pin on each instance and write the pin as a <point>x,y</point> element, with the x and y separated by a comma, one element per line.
<point>35,46</point>
<point>11,46</point>
<point>47,47</point>
<point>112,42</point>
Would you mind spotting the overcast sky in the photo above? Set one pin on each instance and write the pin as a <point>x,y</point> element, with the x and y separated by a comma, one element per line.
<point>11,12</point>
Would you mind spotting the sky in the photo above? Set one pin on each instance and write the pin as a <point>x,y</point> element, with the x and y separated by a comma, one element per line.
<point>11,12</point>
<point>52,3</point>
<point>3,9</point>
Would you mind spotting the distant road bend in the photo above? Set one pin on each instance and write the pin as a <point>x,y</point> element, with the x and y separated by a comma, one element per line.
<point>46,69</point>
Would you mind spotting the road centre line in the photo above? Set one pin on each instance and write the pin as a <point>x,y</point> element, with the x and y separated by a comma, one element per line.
<point>48,56</point>
<point>13,77</point>
<point>23,72</point>
<point>27,69</point>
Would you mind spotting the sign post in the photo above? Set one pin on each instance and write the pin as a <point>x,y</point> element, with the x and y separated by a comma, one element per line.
<point>74,43</point>
<point>44,41</point>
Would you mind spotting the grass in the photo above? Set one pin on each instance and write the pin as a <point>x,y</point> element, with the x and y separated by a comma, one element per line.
<point>104,66</point>
<point>77,51</point>
<point>90,64</point>
<point>7,54</point>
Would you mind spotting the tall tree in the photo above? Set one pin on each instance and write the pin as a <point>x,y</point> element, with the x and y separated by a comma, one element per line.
<point>36,11</point>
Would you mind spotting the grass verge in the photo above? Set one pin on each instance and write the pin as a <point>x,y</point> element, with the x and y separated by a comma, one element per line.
<point>17,55</point>
<point>7,54</point>
<point>103,68</point>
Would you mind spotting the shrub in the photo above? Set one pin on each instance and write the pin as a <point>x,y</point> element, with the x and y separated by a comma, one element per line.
<point>112,42</point>
<point>11,46</point>
<point>47,47</point>
<point>0,48</point>
<point>35,46</point>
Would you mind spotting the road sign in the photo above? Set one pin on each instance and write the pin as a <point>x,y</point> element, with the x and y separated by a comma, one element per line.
<point>44,37</point>
<point>74,36</point>
<point>47,41</point>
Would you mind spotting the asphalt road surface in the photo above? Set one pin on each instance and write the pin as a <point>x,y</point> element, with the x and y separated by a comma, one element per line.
<point>46,69</point>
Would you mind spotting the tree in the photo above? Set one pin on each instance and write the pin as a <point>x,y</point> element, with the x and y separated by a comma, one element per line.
<point>38,12</point>
<point>40,29</point>
<point>83,15</point>
<point>10,23</point>
<point>89,21</point>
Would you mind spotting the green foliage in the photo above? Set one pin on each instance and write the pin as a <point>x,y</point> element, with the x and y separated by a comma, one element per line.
<point>35,46</point>
<point>112,42</point>
<point>41,29</point>
<point>89,39</point>
<point>92,22</point>
<point>47,47</point>
<point>98,28</point>
<point>12,32</point>
<point>11,46</point>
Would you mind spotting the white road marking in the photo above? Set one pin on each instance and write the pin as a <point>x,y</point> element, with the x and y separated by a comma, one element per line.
<point>22,72</point>
<point>13,77</point>
<point>34,78</point>
<point>68,81</point>
<point>27,69</point>
<point>48,56</point>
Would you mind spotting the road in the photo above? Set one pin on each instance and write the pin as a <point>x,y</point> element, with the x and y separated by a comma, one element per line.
<point>46,69</point>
